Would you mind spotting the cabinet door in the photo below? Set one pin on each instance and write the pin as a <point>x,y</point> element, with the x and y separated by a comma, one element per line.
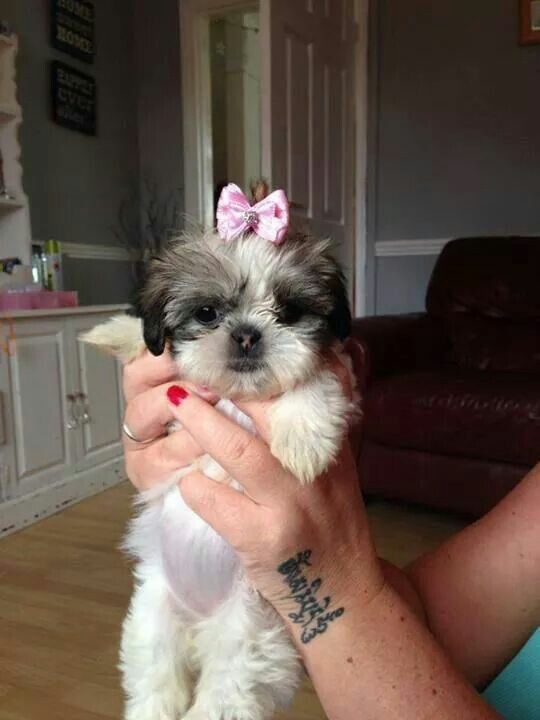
<point>44,444</point>
<point>97,382</point>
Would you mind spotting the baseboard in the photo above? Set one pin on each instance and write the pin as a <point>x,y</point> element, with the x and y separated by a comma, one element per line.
<point>22,512</point>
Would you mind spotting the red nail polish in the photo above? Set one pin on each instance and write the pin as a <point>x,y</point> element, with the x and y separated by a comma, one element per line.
<point>177,395</point>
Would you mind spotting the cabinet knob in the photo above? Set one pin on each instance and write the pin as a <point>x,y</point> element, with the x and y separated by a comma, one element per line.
<point>83,402</point>
<point>83,408</point>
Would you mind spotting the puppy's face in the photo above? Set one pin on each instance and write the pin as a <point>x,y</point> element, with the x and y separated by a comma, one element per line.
<point>246,318</point>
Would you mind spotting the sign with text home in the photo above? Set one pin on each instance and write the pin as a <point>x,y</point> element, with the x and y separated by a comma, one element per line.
<point>72,28</point>
<point>74,98</point>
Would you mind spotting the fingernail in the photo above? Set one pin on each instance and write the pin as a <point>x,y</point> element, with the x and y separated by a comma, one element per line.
<point>177,395</point>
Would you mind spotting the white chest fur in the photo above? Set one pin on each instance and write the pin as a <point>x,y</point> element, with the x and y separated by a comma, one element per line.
<point>200,567</point>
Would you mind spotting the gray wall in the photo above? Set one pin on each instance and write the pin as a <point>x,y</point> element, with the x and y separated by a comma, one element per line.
<point>455,145</point>
<point>75,183</point>
<point>159,106</point>
<point>99,282</point>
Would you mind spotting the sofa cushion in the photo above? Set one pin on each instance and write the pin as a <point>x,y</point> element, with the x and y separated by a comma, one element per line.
<point>490,416</point>
<point>464,485</point>
<point>483,343</point>
<point>491,276</point>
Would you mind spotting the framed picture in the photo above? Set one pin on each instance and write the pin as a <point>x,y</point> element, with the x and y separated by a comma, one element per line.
<point>530,22</point>
<point>74,99</point>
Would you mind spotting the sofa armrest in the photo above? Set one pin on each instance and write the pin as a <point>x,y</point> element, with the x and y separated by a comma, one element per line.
<point>386,345</point>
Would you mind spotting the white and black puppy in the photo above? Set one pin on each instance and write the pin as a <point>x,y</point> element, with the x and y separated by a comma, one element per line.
<point>248,319</point>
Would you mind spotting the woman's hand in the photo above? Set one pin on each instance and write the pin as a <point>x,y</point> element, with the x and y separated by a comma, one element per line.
<point>148,413</point>
<point>277,519</point>
<point>308,551</point>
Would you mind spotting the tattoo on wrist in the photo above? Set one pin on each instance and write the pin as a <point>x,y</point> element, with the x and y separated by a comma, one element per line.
<point>314,615</point>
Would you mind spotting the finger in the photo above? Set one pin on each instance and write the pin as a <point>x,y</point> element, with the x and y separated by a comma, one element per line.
<point>149,465</point>
<point>231,513</point>
<point>179,449</point>
<point>243,456</point>
<point>149,413</point>
<point>148,371</point>
<point>259,412</point>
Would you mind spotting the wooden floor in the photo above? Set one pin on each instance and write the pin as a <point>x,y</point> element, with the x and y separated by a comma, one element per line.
<point>64,588</point>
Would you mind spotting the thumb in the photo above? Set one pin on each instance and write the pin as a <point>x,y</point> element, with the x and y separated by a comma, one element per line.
<point>228,511</point>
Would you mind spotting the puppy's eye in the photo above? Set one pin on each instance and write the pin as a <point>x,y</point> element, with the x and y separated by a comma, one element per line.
<point>206,315</point>
<point>290,313</point>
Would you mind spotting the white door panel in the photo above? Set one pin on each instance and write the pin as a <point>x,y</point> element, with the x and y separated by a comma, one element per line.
<point>97,383</point>
<point>308,114</point>
<point>44,447</point>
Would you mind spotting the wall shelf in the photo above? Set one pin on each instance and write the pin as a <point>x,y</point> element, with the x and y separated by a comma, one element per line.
<point>8,41</point>
<point>9,113</point>
<point>7,204</point>
<point>15,231</point>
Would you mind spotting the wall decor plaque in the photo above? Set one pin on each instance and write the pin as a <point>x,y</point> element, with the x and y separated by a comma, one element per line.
<point>74,98</point>
<point>73,28</point>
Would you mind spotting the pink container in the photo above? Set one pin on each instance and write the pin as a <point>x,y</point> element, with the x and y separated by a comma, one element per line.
<point>53,299</point>
<point>15,300</point>
<point>37,300</point>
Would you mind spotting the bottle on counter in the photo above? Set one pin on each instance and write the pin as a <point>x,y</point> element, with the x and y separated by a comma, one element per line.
<point>38,265</point>
<point>53,265</point>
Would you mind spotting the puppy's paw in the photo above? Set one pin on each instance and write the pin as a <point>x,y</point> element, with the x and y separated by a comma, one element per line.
<point>307,426</point>
<point>298,449</point>
<point>226,711</point>
<point>121,336</point>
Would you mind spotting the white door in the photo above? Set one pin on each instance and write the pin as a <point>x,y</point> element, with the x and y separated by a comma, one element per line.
<point>308,114</point>
<point>38,405</point>
<point>98,390</point>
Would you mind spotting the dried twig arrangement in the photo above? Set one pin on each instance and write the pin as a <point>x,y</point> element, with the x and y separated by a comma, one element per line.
<point>147,220</point>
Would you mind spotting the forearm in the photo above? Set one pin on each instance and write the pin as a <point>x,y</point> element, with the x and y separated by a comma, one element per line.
<point>404,586</point>
<point>381,660</point>
<point>481,589</point>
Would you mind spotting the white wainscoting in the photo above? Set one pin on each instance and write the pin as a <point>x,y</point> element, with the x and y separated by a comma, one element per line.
<point>385,248</point>
<point>95,252</point>
<point>408,248</point>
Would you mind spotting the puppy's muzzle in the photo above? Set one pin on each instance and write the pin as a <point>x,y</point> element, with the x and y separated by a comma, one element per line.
<point>246,342</point>
<point>246,349</point>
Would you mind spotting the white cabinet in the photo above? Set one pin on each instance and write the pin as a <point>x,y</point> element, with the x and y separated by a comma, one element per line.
<point>37,396</point>
<point>62,412</point>
<point>96,382</point>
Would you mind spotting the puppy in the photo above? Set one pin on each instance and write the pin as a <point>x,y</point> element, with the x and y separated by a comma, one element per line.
<point>248,319</point>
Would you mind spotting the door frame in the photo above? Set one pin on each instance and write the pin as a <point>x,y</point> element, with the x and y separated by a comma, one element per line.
<point>196,101</point>
<point>197,113</point>
<point>361,102</point>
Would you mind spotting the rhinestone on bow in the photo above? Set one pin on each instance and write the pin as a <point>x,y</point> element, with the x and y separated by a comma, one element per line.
<point>250,217</point>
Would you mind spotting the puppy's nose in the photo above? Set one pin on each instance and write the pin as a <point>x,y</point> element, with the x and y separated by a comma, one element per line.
<point>246,338</point>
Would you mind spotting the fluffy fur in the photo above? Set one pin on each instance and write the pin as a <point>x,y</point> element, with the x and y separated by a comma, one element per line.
<point>247,319</point>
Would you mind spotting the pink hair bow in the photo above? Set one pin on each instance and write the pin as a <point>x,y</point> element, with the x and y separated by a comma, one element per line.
<point>269,218</point>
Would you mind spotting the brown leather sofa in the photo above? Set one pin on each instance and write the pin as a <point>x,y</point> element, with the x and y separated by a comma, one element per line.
<point>452,396</point>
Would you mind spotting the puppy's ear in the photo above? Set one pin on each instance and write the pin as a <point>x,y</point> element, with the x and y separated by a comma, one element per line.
<point>151,308</point>
<point>154,330</point>
<point>340,319</point>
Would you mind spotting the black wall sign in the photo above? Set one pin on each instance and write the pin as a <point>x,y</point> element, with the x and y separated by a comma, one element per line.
<point>74,97</point>
<point>72,28</point>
